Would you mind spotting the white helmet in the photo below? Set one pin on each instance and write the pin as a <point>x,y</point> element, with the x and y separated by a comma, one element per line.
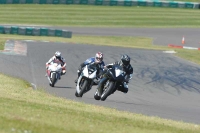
<point>58,54</point>
<point>98,57</point>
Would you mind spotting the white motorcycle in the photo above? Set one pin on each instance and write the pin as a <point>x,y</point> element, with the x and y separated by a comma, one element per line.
<point>54,73</point>
<point>86,79</point>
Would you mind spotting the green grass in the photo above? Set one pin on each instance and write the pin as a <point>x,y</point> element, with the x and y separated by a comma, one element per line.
<point>191,55</point>
<point>2,42</point>
<point>133,42</point>
<point>187,0</point>
<point>25,110</point>
<point>98,16</point>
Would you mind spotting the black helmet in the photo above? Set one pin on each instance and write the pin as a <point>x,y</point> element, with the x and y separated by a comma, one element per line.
<point>125,59</point>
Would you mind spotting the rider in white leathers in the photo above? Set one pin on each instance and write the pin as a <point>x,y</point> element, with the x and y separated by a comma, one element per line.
<point>57,58</point>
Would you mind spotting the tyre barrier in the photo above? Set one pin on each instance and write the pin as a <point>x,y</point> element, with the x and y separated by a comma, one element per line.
<point>35,31</point>
<point>153,3</point>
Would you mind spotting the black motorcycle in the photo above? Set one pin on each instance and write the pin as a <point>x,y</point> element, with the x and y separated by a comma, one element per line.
<point>109,83</point>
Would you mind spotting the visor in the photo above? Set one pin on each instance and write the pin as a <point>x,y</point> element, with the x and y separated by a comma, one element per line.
<point>99,59</point>
<point>126,63</point>
<point>58,57</point>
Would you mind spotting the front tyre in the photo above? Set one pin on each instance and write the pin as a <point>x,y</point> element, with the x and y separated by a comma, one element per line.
<point>76,94</point>
<point>83,86</point>
<point>107,91</point>
<point>53,80</point>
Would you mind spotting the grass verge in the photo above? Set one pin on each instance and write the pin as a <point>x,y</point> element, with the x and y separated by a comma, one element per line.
<point>191,55</point>
<point>25,110</point>
<point>134,42</point>
<point>98,16</point>
<point>187,0</point>
<point>2,43</point>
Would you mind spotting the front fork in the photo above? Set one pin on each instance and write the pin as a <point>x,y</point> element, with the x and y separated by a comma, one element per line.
<point>49,80</point>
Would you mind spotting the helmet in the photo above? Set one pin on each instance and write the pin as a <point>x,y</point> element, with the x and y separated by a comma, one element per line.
<point>58,55</point>
<point>98,57</point>
<point>125,59</point>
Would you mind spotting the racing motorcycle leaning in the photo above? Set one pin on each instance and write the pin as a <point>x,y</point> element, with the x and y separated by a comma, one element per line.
<point>86,79</point>
<point>53,73</point>
<point>109,83</point>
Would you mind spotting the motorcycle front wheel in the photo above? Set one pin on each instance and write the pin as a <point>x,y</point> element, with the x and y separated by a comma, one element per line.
<point>83,86</point>
<point>53,80</point>
<point>107,90</point>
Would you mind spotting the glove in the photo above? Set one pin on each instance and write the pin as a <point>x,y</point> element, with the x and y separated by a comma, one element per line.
<point>126,82</point>
<point>63,72</point>
<point>105,68</point>
<point>47,65</point>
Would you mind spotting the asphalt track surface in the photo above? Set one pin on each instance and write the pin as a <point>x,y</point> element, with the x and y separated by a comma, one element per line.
<point>163,85</point>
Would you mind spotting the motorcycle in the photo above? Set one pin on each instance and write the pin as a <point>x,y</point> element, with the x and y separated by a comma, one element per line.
<point>109,82</point>
<point>54,73</point>
<point>86,79</point>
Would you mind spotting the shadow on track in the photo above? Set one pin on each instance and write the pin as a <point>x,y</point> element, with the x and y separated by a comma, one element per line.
<point>64,87</point>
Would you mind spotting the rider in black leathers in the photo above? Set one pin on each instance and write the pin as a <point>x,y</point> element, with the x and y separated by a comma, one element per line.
<point>125,63</point>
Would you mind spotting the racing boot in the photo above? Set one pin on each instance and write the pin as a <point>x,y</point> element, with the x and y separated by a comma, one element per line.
<point>75,81</point>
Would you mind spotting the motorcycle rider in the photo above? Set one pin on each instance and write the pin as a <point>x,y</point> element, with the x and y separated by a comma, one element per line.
<point>98,59</point>
<point>125,63</point>
<point>59,59</point>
